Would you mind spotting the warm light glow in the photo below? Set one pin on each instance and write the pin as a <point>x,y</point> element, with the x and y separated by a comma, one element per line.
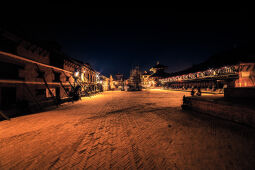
<point>76,74</point>
<point>155,89</point>
<point>82,76</point>
<point>93,97</point>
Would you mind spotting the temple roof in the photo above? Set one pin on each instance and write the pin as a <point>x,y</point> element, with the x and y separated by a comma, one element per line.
<point>147,73</point>
<point>159,66</point>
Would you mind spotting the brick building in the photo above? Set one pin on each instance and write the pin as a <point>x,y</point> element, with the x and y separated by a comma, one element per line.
<point>33,75</point>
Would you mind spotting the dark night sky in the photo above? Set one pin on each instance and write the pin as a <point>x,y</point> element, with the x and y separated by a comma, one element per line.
<point>114,40</point>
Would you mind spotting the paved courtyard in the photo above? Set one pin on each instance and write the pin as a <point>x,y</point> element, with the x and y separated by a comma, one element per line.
<point>125,130</point>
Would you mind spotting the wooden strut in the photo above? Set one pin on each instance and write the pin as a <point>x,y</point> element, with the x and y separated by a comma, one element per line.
<point>46,84</point>
<point>29,91</point>
<point>61,84</point>
<point>31,61</point>
<point>80,85</point>
<point>3,115</point>
<point>69,81</point>
<point>27,82</point>
<point>84,88</point>
<point>70,84</point>
<point>86,91</point>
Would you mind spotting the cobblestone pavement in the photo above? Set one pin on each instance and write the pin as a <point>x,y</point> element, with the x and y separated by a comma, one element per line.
<point>125,130</point>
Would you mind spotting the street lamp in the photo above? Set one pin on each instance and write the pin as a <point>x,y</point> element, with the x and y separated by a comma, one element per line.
<point>97,78</point>
<point>76,74</point>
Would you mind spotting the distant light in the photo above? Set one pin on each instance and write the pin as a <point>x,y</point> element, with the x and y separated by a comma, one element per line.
<point>76,74</point>
<point>82,76</point>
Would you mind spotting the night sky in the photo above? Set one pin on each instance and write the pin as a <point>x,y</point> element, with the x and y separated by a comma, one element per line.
<point>114,40</point>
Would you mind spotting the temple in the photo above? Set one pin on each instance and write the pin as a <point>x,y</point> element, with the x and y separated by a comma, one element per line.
<point>150,79</point>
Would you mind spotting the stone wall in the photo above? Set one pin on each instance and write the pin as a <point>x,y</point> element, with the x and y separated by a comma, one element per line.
<point>232,112</point>
<point>241,92</point>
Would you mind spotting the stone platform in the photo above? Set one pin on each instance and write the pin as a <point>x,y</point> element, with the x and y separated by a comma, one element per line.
<point>241,93</point>
<point>233,109</point>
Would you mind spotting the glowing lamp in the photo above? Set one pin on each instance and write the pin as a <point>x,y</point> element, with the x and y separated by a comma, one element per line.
<point>82,76</point>
<point>76,74</point>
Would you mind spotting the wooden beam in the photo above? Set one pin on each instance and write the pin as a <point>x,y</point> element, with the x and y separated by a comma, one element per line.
<point>32,61</point>
<point>4,116</point>
<point>28,82</point>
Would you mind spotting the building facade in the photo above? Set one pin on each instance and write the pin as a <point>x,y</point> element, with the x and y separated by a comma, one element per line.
<point>105,81</point>
<point>119,81</point>
<point>150,79</point>
<point>33,76</point>
<point>214,80</point>
<point>246,75</point>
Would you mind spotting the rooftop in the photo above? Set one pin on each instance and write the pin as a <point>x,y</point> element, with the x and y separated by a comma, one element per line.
<point>159,65</point>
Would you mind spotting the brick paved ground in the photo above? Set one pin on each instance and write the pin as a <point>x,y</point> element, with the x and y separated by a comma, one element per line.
<point>131,130</point>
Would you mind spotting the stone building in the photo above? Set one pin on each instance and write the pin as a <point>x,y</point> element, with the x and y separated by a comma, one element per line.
<point>33,75</point>
<point>105,81</point>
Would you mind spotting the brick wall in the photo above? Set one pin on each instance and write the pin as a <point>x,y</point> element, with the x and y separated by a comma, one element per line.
<point>237,113</point>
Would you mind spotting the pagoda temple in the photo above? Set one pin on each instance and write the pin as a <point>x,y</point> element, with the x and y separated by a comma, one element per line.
<point>151,78</point>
